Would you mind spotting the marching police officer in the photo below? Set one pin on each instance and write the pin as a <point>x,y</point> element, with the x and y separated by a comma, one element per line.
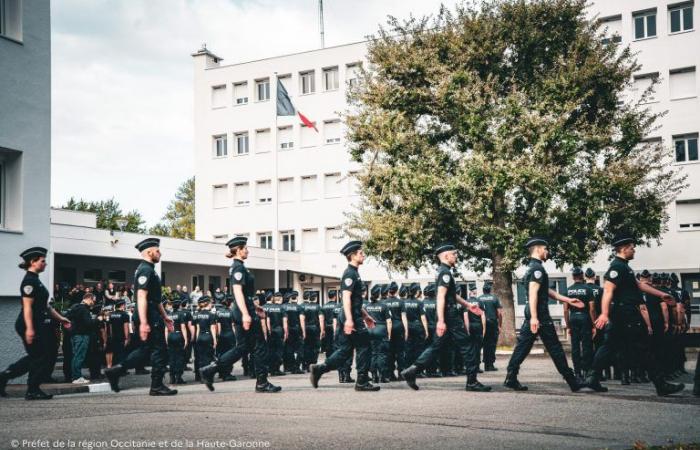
<point>415,324</point>
<point>227,336</point>
<point>205,332</point>
<point>625,290</point>
<point>310,330</point>
<point>354,321</point>
<point>275,326</point>
<point>494,318</point>
<point>538,322</point>
<point>119,324</point>
<point>450,325</point>
<point>397,344</point>
<point>250,333</point>
<point>429,307</point>
<point>177,342</point>
<point>579,322</point>
<point>33,326</point>
<point>476,326</point>
<point>344,369</point>
<point>327,314</point>
<point>152,323</point>
<point>379,335</point>
<point>292,334</point>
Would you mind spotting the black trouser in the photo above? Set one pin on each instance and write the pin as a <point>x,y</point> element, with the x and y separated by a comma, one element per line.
<point>118,349</point>
<point>276,351</point>
<point>327,341</point>
<point>53,356</point>
<point>379,342</point>
<point>247,342</point>
<point>134,343</point>
<point>455,336</point>
<point>95,356</point>
<point>311,345</point>
<point>204,349</point>
<point>336,346</point>
<point>490,342</point>
<point>227,341</point>
<point>476,335</point>
<point>433,366</point>
<point>548,334</point>
<point>36,361</point>
<point>415,344</point>
<point>397,348</point>
<point>154,349</point>
<point>293,350</point>
<point>581,341</point>
<point>67,356</point>
<point>359,341</point>
<point>176,354</point>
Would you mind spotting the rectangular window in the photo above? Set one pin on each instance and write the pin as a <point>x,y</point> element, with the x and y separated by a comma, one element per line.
<point>644,24</point>
<point>330,79</point>
<point>309,188</point>
<point>642,83</point>
<point>352,73</point>
<point>686,147</point>
<point>309,137</point>
<point>241,194</point>
<point>116,276</point>
<point>682,83</point>
<point>240,93</point>
<point>262,90</point>
<point>688,214</point>
<point>264,190</point>
<point>309,240</point>
<point>285,188</point>
<point>11,19</point>
<point>220,148</point>
<point>681,17</point>
<point>613,28</point>
<point>285,138</point>
<point>332,185</point>
<point>334,239</point>
<point>242,143</point>
<point>288,241</point>
<point>265,240</point>
<point>218,96</point>
<point>331,132</point>
<point>307,82</point>
<point>220,237</point>
<point>93,275</point>
<point>263,141</point>
<point>220,196</point>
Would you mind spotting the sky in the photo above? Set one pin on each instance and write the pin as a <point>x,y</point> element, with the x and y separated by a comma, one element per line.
<point>122,72</point>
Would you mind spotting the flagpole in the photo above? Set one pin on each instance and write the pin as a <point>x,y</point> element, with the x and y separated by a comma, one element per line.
<point>275,191</point>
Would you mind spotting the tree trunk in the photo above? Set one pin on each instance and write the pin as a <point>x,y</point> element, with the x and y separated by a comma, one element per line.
<point>503,289</point>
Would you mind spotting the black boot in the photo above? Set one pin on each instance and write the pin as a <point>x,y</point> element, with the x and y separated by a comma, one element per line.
<point>162,390</point>
<point>573,382</point>
<point>635,377</point>
<point>490,368</point>
<point>315,372</point>
<point>473,385</point>
<point>37,394</point>
<point>265,387</point>
<point>113,374</point>
<point>625,379</point>
<point>228,377</point>
<point>593,382</point>
<point>206,374</point>
<point>643,377</point>
<point>4,378</point>
<point>409,375</point>
<point>375,376</point>
<point>513,383</point>
<point>341,376</point>
<point>363,384</point>
<point>384,379</point>
<point>142,371</point>
<point>664,388</point>
<point>348,377</point>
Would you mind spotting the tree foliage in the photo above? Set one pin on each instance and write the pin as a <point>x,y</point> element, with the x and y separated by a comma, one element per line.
<point>108,212</point>
<point>179,218</point>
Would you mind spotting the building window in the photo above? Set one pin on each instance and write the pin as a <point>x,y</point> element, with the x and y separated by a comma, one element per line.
<point>285,138</point>
<point>332,186</point>
<point>334,239</point>
<point>220,146</point>
<point>116,276</point>
<point>686,147</point>
<point>241,194</point>
<point>265,240</point>
<point>220,196</point>
<point>331,132</point>
<point>218,96</point>
<point>288,241</point>
<point>263,141</point>
<point>264,190</point>
<point>240,93</point>
<point>309,137</point>
<point>307,83</point>
<point>285,188</point>
<point>644,24</point>
<point>262,90</point>
<point>613,28</point>
<point>682,83</point>
<point>330,79</point>
<point>309,188</point>
<point>242,143</point>
<point>220,237</point>
<point>309,240</point>
<point>11,19</point>
<point>681,17</point>
<point>352,73</point>
<point>688,214</point>
<point>642,83</point>
<point>93,275</point>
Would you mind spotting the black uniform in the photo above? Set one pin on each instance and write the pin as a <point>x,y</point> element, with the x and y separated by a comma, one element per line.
<point>581,327</point>
<point>476,335</point>
<point>430,309</point>
<point>227,336</point>
<point>379,337</point>
<point>415,344</point>
<point>327,342</point>
<point>310,311</point>
<point>397,344</point>
<point>117,338</point>
<point>275,314</point>
<point>491,305</point>
<point>343,369</point>
<point>204,348</point>
<point>293,346</point>
<point>176,347</point>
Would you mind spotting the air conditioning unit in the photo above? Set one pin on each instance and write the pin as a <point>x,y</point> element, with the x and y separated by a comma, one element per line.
<point>302,277</point>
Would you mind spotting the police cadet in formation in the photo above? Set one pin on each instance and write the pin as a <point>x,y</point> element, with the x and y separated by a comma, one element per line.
<point>620,322</point>
<point>415,324</point>
<point>494,318</point>
<point>345,368</point>
<point>275,326</point>
<point>250,332</point>
<point>579,323</point>
<point>227,335</point>
<point>293,344</point>
<point>476,326</point>
<point>189,326</point>
<point>379,335</point>
<point>119,332</point>
<point>355,322</point>
<point>33,326</point>
<point>327,332</point>
<point>397,344</point>
<point>429,307</point>
<point>177,342</point>
<point>657,310</point>
<point>597,291</point>
<point>310,330</point>
<point>205,332</point>
<point>450,326</point>
<point>152,323</point>
<point>538,322</point>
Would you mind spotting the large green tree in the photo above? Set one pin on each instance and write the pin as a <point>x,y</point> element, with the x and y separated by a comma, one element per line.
<point>108,212</point>
<point>179,218</point>
<point>486,124</point>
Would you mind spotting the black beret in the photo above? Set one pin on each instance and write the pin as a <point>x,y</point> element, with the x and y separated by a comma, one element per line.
<point>267,295</point>
<point>622,239</point>
<point>147,243</point>
<point>120,302</point>
<point>487,287</point>
<point>237,241</point>
<point>376,290</point>
<point>385,289</point>
<point>645,273</point>
<point>674,277</point>
<point>403,291</point>
<point>444,247</point>
<point>590,273</point>
<point>305,295</point>
<point>393,287</point>
<point>414,288</point>
<point>472,286</point>
<point>576,271</point>
<point>33,252</point>
<point>350,247</point>
<point>204,299</point>
<point>332,293</point>
<point>536,240</point>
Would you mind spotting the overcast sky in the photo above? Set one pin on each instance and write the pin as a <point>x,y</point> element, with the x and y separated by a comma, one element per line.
<point>122,81</point>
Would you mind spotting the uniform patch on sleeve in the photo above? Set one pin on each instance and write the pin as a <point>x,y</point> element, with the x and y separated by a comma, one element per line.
<point>143,279</point>
<point>613,274</point>
<point>538,274</point>
<point>446,278</point>
<point>28,289</point>
<point>348,282</point>
<point>238,276</point>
